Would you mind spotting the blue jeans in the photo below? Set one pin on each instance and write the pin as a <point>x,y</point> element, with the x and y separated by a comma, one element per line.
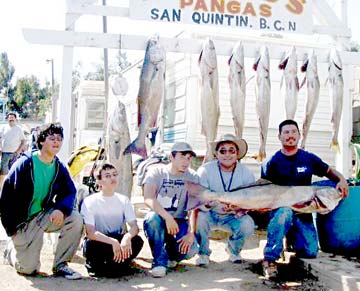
<point>283,222</point>
<point>240,227</point>
<point>164,247</point>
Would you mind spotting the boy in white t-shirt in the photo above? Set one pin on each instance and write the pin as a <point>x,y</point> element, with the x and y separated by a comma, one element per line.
<point>108,247</point>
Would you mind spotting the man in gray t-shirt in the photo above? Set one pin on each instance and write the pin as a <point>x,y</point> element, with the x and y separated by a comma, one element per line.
<point>224,175</point>
<point>170,232</point>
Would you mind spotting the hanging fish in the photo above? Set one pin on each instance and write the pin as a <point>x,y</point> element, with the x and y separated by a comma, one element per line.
<point>336,90</point>
<point>291,88</point>
<point>151,92</point>
<point>263,96</point>
<point>209,97</point>
<point>237,84</point>
<point>118,137</point>
<point>313,91</point>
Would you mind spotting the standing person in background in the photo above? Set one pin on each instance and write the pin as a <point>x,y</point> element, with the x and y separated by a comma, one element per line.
<point>34,134</point>
<point>12,143</point>
<point>291,166</point>
<point>39,196</point>
<point>169,227</point>
<point>108,247</point>
<point>222,175</point>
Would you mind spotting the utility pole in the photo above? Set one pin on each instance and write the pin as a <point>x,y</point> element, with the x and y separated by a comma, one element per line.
<point>106,78</point>
<point>53,97</point>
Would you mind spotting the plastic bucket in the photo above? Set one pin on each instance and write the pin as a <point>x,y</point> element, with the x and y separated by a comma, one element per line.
<point>339,230</point>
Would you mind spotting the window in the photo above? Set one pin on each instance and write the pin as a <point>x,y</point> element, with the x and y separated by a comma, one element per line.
<point>95,111</point>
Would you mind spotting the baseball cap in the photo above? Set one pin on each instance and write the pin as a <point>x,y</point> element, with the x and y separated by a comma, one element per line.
<point>182,147</point>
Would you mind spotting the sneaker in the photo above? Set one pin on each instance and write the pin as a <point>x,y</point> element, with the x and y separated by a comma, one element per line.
<point>269,269</point>
<point>235,259</point>
<point>172,264</point>
<point>158,272</point>
<point>65,271</point>
<point>202,260</point>
<point>9,255</point>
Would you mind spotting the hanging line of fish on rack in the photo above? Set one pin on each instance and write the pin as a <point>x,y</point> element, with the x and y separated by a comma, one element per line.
<point>152,88</point>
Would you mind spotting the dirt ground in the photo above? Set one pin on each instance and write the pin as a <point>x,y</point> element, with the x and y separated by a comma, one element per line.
<point>219,275</point>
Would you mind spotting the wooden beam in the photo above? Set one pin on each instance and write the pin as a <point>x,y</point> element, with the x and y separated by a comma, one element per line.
<point>323,11</point>
<point>98,10</point>
<point>332,30</point>
<point>179,45</point>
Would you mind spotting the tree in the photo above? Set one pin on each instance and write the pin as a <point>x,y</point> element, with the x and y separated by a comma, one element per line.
<point>354,47</point>
<point>30,99</point>
<point>7,71</point>
<point>98,75</point>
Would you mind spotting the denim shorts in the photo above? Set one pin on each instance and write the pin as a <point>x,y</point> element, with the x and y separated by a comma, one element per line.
<point>5,159</point>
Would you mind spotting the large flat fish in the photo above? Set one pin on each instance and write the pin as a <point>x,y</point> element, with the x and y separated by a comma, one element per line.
<point>263,96</point>
<point>209,94</point>
<point>268,196</point>
<point>237,84</point>
<point>290,89</point>
<point>336,91</point>
<point>118,137</point>
<point>151,92</point>
<point>313,91</point>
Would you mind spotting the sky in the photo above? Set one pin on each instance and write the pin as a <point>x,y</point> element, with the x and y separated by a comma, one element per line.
<point>31,59</point>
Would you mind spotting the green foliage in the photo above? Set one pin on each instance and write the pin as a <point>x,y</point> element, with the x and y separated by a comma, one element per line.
<point>7,71</point>
<point>98,75</point>
<point>354,47</point>
<point>32,100</point>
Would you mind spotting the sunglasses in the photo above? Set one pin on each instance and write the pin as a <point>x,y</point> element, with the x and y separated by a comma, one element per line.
<point>231,151</point>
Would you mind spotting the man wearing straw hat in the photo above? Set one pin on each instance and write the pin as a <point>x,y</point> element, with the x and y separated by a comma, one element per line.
<point>222,175</point>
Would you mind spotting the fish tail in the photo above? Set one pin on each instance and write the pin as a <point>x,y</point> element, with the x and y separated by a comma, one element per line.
<point>335,146</point>
<point>133,148</point>
<point>261,156</point>
<point>302,146</point>
<point>152,135</point>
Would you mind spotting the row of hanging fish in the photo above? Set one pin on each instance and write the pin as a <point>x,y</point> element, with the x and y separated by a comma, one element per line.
<point>152,86</point>
<point>289,86</point>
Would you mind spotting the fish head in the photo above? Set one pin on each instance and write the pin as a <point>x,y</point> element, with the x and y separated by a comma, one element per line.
<point>208,55</point>
<point>334,59</point>
<point>263,60</point>
<point>155,51</point>
<point>310,63</point>
<point>117,118</point>
<point>289,60</point>
<point>238,54</point>
<point>256,61</point>
<point>305,63</point>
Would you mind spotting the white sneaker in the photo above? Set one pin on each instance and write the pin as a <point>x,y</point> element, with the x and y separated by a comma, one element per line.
<point>235,259</point>
<point>203,260</point>
<point>172,264</point>
<point>158,272</point>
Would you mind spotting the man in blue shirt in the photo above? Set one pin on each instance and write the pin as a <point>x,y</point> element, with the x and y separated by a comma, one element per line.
<point>291,166</point>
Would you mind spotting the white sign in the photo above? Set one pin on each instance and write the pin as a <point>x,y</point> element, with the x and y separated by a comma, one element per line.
<point>294,16</point>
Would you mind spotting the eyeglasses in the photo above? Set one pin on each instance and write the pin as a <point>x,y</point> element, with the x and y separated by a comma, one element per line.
<point>231,151</point>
